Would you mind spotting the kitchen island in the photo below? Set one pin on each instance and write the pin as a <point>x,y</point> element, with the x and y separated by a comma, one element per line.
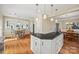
<point>49,43</point>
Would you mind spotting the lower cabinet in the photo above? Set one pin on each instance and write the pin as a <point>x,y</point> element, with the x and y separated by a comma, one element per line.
<point>54,46</point>
<point>59,43</point>
<point>35,45</point>
<point>46,46</point>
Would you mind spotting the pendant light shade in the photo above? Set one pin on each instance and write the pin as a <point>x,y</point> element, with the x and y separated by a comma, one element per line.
<point>52,19</point>
<point>56,21</point>
<point>36,13</point>
<point>44,16</point>
<point>37,19</point>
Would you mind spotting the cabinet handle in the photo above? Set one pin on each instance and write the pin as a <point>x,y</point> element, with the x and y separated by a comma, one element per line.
<point>42,43</point>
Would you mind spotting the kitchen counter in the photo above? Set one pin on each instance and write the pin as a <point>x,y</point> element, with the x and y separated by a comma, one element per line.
<point>47,35</point>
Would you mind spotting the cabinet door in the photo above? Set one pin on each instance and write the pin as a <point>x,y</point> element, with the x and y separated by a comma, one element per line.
<point>35,44</point>
<point>54,46</point>
<point>59,42</point>
<point>45,46</point>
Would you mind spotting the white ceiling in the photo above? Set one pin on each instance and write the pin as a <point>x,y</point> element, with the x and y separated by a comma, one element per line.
<point>29,10</point>
<point>70,15</point>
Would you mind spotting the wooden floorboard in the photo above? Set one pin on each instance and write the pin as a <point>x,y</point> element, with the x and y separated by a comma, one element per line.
<point>19,46</point>
<point>70,47</point>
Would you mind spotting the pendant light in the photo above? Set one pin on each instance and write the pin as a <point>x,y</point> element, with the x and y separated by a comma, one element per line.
<point>37,19</point>
<point>52,19</point>
<point>56,21</point>
<point>51,13</point>
<point>37,13</point>
<point>44,15</point>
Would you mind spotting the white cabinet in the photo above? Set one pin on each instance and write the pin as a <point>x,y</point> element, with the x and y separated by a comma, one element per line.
<point>35,45</point>
<point>59,42</point>
<point>53,46</point>
<point>46,46</point>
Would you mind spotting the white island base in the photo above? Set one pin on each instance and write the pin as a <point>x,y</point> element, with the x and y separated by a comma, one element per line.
<point>46,46</point>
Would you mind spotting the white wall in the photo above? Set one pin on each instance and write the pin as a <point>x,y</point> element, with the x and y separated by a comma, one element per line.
<point>38,24</point>
<point>44,25</point>
<point>14,22</point>
<point>31,26</point>
<point>48,26</point>
<point>1,29</point>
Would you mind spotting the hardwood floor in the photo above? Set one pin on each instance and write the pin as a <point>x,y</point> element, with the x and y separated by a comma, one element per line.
<point>18,46</point>
<point>22,46</point>
<point>70,47</point>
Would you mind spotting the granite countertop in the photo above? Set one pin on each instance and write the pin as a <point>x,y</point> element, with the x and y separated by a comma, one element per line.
<point>47,35</point>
